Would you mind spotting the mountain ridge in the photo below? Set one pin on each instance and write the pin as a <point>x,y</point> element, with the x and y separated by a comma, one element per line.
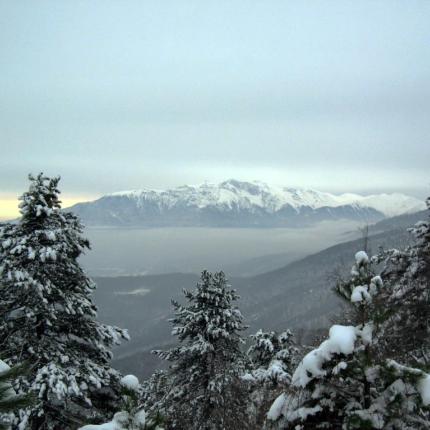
<point>235,203</point>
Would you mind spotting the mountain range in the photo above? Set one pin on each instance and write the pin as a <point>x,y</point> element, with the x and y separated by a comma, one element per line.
<point>235,203</point>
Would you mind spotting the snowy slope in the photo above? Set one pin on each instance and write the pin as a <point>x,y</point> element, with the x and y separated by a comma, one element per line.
<point>233,193</point>
<point>235,203</point>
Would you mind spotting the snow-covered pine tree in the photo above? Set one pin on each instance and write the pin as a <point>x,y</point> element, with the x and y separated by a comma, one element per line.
<point>346,383</point>
<point>48,316</point>
<point>206,390</point>
<point>407,272</point>
<point>272,357</point>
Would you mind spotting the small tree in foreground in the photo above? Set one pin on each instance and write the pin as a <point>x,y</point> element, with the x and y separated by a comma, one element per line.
<point>206,391</point>
<point>346,383</point>
<point>49,318</point>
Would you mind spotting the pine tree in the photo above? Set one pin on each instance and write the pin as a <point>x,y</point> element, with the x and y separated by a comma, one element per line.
<point>272,356</point>
<point>346,383</point>
<point>206,390</point>
<point>48,316</point>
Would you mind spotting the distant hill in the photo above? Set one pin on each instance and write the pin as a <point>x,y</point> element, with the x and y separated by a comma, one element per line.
<point>399,222</point>
<point>268,263</point>
<point>297,296</point>
<point>238,204</point>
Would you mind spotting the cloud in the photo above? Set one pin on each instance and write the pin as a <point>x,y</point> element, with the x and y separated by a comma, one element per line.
<point>159,94</point>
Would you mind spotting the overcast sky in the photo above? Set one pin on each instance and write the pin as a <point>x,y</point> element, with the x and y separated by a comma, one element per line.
<point>115,95</point>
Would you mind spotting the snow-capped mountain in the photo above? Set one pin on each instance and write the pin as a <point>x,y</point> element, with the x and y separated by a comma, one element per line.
<point>238,204</point>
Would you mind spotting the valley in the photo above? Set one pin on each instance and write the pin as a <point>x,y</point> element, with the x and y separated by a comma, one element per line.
<point>297,295</point>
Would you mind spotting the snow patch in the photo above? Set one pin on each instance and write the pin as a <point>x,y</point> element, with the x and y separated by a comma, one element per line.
<point>275,410</point>
<point>424,389</point>
<point>341,341</point>
<point>360,293</point>
<point>361,258</point>
<point>131,382</point>
<point>3,367</point>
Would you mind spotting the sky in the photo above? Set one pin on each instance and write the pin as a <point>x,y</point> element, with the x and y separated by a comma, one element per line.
<point>118,95</point>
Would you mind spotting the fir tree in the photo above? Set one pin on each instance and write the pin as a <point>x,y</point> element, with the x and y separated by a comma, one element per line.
<point>48,316</point>
<point>206,390</point>
<point>346,383</point>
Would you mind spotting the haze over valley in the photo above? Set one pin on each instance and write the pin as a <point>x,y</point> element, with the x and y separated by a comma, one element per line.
<point>244,228</point>
<point>277,292</point>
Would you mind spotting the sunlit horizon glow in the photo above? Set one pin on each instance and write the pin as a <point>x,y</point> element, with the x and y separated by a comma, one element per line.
<point>9,208</point>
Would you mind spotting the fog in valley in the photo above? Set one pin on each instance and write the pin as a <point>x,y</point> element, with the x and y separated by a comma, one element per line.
<point>239,252</point>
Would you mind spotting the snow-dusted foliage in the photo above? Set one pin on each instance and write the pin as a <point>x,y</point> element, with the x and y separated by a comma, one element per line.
<point>341,340</point>
<point>132,416</point>
<point>346,383</point>
<point>154,392</point>
<point>407,273</point>
<point>10,402</point>
<point>272,357</point>
<point>48,316</point>
<point>205,389</point>
<point>269,346</point>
